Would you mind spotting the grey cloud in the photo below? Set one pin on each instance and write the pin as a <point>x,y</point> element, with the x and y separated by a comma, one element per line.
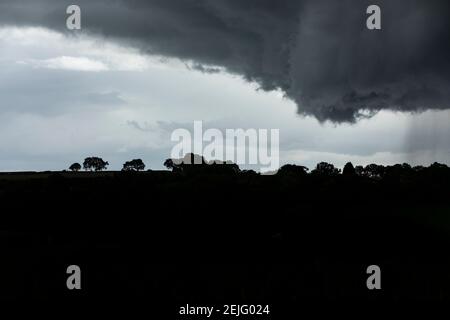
<point>159,126</point>
<point>50,92</point>
<point>203,68</point>
<point>317,51</point>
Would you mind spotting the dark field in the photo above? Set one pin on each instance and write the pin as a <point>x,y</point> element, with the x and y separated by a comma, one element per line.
<point>215,237</point>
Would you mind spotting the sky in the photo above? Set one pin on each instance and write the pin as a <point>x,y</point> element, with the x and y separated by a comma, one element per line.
<point>140,69</point>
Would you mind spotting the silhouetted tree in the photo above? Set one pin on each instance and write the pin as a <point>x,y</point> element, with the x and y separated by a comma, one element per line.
<point>326,169</point>
<point>292,169</point>
<point>186,163</point>
<point>374,171</point>
<point>95,163</point>
<point>75,167</point>
<point>349,170</point>
<point>439,166</point>
<point>222,167</point>
<point>359,170</point>
<point>249,172</point>
<point>134,165</point>
<point>398,171</point>
<point>171,165</point>
<point>438,172</point>
<point>168,163</point>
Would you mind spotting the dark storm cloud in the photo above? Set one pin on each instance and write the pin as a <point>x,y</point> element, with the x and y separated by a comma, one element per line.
<point>318,52</point>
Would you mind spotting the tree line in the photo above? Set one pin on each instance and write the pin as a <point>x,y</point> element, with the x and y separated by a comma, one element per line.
<point>192,163</point>
<point>98,164</point>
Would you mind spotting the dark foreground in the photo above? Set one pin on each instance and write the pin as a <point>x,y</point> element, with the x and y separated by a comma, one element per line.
<point>172,238</point>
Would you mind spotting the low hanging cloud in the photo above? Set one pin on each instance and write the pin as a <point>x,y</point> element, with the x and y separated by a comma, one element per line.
<point>318,52</point>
